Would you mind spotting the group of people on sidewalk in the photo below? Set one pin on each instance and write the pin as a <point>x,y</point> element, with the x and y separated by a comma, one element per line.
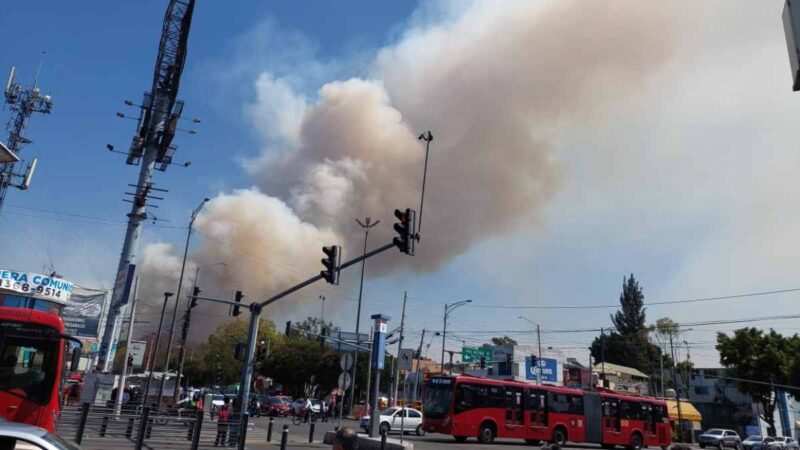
<point>227,424</point>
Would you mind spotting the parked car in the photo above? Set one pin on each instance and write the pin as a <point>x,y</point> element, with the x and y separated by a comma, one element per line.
<point>391,419</point>
<point>783,443</point>
<point>720,438</point>
<point>276,406</point>
<point>21,436</point>
<point>757,442</point>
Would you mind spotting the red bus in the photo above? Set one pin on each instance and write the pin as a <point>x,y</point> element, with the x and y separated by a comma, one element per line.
<point>468,406</point>
<point>32,349</point>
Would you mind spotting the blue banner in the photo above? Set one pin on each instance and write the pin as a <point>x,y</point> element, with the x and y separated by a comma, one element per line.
<point>379,341</point>
<point>547,366</point>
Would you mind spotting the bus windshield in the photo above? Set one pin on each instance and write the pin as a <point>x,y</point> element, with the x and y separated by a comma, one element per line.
<point>28,359</point>
<point>438,394</point>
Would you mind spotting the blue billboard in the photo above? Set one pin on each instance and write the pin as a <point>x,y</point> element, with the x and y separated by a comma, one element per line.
<point>547,366</point>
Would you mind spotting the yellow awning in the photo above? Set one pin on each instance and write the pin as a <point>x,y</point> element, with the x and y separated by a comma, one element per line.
<point>688,411</point>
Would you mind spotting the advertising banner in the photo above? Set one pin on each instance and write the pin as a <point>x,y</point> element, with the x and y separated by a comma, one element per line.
<point>547,366</point>
<point>36,285</point>
<point>123,285</point>
<point>82,314</point>
<point>137,350</point>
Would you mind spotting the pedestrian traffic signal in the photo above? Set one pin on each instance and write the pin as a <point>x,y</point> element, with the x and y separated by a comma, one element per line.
<point>239,351</point>
<point>195,293</point>
<point>331,262</point>
<point>405,230</point>
<point>238,299</point>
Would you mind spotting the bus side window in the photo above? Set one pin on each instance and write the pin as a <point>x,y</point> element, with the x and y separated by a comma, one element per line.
<point>465,398</point>
<point>575,404</point>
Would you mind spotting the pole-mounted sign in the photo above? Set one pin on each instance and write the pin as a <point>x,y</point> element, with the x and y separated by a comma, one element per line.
<point>378,355</point>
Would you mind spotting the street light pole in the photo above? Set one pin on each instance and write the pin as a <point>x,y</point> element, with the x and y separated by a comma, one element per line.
<point>177,299</point>
<point>447,310</point>
<point>539,342</point>
<point>154,351</point>
<point>367,224</point>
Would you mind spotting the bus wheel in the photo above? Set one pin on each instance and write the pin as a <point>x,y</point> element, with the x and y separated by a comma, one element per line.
<point>460,438</point>
<point>533,441</point>
<point>636,442</point>
<point>560,436</point>
<point>486,433</point>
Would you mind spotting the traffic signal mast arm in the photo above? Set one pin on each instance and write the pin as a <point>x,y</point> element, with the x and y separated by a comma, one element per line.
<point>316,278</point>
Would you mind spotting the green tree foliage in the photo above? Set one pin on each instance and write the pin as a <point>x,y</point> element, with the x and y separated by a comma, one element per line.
<point>751,354</point>
<point>505,340</point>
<point>316,325</point>
<point>628,344</point>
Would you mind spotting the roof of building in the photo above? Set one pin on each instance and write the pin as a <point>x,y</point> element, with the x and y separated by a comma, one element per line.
<point>616,369</point>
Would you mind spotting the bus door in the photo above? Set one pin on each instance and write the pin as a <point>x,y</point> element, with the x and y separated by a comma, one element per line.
<point>593,417</point>
<point>611,422</point>
<point>514,416</point>
<point>536,405</point>
<point>649,422</point>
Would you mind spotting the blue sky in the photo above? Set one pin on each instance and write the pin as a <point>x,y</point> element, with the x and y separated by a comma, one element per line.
<point>686,177</point>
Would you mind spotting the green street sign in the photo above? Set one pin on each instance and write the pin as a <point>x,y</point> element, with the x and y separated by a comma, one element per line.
<point>472,354</point>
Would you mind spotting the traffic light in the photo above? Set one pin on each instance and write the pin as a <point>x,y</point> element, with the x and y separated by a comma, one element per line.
<point>239,351</point>
<point>483,362</point>
<point>219,375</point>
<point>288,331</point>
<point>261,352</point>
<point>323,333</point>
<point>534,361</point>
<point>333,255</point>
<point>405,230</point>
<point>509,359</point>
<point>238,299</point>
<point>195,293</point>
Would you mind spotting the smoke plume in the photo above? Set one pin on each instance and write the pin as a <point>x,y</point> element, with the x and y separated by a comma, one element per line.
<point>496,82</point>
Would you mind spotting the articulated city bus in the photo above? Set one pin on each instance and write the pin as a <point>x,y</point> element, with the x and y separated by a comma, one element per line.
<point>32,350</point>
<point>467,406</point>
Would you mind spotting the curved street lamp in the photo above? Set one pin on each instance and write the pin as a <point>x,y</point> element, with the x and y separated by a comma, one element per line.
<point>539,342</point>
<point>448,308</point>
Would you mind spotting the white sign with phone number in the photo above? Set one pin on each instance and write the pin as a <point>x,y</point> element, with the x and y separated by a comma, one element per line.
<point>36,285</point>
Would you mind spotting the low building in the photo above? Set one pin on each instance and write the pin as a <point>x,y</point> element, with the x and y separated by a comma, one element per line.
<point>623,378</point>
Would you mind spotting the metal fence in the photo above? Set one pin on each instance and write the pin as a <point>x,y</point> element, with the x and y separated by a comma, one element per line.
<point>149,427</point>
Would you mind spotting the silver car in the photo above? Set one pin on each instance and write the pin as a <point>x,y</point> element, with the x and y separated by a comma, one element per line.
<point>783,443</point>
<point>18,436</point>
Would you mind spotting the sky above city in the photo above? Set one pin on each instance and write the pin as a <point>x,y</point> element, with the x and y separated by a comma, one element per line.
<point>574,144</point>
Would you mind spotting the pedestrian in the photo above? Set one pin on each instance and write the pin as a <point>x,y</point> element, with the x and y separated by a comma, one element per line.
<point>198,402</point>
<point>222,424</point>
<point>233,423</point>
<point>345,439</point>
<point>332,407</point>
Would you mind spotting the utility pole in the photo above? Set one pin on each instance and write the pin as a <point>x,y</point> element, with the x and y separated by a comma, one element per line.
<point>400,347</point>
<point>22,102</point>
<point>177,302</point>
<point>366,225</point>
<point>132,319</point>
<point>539,341</point>
<point>152,145</point>
<point>603,354</point>
<point>154,351</point>
<point>677,390</point>
<point>419,356</point>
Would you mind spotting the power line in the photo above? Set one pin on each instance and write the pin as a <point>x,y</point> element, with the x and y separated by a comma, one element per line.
<point>664,302</point>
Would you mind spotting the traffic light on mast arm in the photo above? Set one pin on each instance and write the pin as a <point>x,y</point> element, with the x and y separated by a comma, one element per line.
<point>238,299</point>
<point>331,262</point>
<point>405,229</point>
<point>195,293</point>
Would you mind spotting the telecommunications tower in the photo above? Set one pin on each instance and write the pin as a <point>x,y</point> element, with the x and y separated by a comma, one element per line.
<point>22,102</point>
<point>152,150</point>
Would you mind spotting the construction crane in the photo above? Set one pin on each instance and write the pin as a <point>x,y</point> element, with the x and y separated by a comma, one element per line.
<point>151,149</point>
<point>22,102</point>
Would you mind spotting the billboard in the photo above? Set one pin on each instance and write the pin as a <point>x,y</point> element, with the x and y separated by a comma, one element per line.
<point>137,350</point>
<point>36,285</point>
<point>547,366</point>
<point>123,285</point>
<point>82,314</point>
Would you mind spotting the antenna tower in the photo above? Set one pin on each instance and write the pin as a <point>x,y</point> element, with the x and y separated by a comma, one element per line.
<point>23,102</point>
<point>151,148</point>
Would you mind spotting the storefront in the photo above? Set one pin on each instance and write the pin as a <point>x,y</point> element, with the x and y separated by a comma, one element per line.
<point>691,419</point>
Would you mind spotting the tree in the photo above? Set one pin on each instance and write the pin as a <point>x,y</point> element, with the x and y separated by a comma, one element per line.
<point>628,344</point>
<point>316,325</point>
<point>750,354</point>
<point>505,340</point>
<point>219,349</point>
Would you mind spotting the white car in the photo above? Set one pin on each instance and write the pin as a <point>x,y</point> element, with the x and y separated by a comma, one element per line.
<point>391,419</point>
<point>19,436</point>
<point>783,443</point>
